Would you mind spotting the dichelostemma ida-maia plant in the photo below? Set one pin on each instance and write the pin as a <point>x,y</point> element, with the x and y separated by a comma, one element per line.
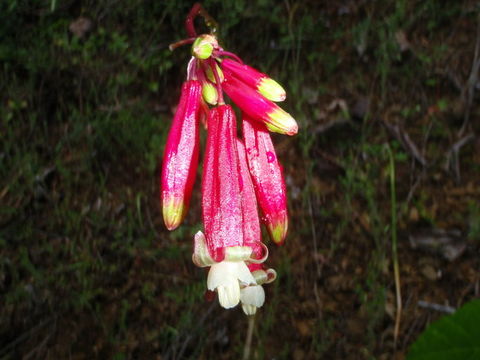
<point>239,174</point>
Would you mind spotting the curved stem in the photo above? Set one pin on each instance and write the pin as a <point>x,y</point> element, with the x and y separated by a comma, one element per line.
<point>181,43</point>
<point>248,341</point>
<point>197,9</point>
<point>229,54</point>
<point>213,66</point>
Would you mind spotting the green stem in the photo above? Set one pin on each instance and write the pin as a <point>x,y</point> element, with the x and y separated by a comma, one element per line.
<point>396,268</point>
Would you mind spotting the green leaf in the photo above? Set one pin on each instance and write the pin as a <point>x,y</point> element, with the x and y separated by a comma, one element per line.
<point>455,336</point>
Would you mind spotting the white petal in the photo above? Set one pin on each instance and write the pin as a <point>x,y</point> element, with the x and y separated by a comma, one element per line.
<point>253,295</point>
<point>228,272</point>
<point>244,274</point>
<point>229,296</point>
<point>201,256</point>
<point>220,275</point>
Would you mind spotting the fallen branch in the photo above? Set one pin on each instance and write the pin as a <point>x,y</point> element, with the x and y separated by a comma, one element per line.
<point>407,143</point>
<point>437,307</point>
<point>452,162</point>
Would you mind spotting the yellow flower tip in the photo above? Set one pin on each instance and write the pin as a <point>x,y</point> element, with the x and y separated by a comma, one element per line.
<point>173,213</point>
<point>281,122</point>
<point>278,231</point>
<point>271,90</point>
<point>209,93</point>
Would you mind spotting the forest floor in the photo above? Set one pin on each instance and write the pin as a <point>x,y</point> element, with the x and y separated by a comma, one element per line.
<point>387,160</point>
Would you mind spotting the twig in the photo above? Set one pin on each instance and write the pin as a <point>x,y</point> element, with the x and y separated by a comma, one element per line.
<point>402,136</point>
<point>415,185</point>
<point>248,341</point>
<point>25,336</point>
<point>469,89</point>
<point>315,250</point>
<point>36,351</point>
<point>191,333</point>
<point>437,307</point>
<point>452,162</point>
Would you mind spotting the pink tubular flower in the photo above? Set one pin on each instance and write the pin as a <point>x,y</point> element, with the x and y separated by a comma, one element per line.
<point>267,178</point>
<point>255,79</point>
<point>251,222</point>
<point>221,200</point>
<point>236,173</point>
<point>180,158</point>
<point>258,107</point>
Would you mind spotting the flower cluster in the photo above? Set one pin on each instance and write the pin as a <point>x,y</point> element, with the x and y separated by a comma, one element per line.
<point>239,176</point>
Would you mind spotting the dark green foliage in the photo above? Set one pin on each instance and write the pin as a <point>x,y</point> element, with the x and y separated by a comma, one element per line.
<point>452,337</point>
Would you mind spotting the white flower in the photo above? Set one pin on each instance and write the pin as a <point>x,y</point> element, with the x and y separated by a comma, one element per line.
<point>225,277</point>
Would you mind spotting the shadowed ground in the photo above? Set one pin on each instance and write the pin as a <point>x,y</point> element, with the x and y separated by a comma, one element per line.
<point>87,93</point>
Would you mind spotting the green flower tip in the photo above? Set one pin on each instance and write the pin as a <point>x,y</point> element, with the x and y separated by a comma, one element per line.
<point>203,46</point>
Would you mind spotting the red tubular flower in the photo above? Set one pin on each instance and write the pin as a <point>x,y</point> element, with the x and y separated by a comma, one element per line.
<point>221,199</point>
<point>180,158</point>
<point>236,173</point>
<point>258,107</point>
<point>251,223</point>
<point>267,178</point>
<point>255,79</point>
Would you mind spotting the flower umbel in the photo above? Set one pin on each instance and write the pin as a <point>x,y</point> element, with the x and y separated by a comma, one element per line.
<point>236,172</point>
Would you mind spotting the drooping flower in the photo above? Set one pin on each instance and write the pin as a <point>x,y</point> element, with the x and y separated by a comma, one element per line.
<point>227,276</point>
<point>258,107</point>
<point>236,173</point>
<point>250,220</point>
<point>267,177</point>
<point>259,81</point>
<point>180,158</point>
<point>221,199</point>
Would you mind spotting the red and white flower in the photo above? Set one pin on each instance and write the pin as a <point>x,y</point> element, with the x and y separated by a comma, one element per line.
<point>236,172</point>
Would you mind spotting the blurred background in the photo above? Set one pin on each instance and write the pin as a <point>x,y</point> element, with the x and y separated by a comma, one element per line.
<point>386,166</point>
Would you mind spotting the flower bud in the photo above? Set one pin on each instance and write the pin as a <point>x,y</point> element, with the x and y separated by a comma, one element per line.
<point>203,46</point>
<point>251,223</point>
<point>221,199</point>
<point>255,79</point>
<point>211,76</point>
<point>209,93</point>
<point>257,107</point>
<point>267,178</point>
<point>180,158</point>
<point>271,90</point>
